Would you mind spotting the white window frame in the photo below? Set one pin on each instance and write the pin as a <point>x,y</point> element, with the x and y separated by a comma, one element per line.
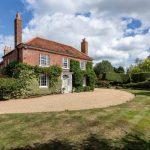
<point>82,65</point>
<point>46,59</point>
<point>40,81</point>
<point>67,66</point>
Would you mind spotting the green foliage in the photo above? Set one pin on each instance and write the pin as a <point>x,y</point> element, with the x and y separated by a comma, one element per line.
<point>143,66</point>
<point>139,77</point>
<point>141,85</point>
<point>117,77</point>
<point>103,84</point>
<point>103,67</point>
<point>77,74</point>
<point>91,77</point>
<point>25,75</point>
<point>7,88</point>
<point>120,69</point>
<point>9,70</point>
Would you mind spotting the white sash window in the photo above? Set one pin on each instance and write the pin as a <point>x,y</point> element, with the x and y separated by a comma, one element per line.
<point>44,60</point>
<point>43,81</point>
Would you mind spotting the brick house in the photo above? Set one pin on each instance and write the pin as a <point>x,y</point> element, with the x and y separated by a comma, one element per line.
<point>43,52</point>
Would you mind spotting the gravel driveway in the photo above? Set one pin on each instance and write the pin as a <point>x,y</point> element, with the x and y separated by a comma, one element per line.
<point>88,100</point>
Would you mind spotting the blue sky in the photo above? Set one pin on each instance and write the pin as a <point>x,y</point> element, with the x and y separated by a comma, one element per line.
<point>8,9</point>
<point>119,34</point>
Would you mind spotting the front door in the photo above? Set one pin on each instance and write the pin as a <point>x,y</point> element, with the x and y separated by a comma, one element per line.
<point>65,84</point>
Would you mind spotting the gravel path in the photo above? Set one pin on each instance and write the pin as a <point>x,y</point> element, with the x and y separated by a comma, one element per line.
<point>87,100</point>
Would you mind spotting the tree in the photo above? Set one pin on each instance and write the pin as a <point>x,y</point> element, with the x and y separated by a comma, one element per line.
<point>103,67</point>
<point>143,66</point>
<point>120,69</point>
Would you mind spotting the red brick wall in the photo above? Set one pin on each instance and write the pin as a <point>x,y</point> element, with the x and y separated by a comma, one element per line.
<point>12,56</point>
<point>31,57</point>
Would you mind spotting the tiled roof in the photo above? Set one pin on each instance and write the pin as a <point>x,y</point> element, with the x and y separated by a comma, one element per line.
<point>55,47</point>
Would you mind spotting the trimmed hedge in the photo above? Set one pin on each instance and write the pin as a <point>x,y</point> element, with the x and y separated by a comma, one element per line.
<point>139,77</point>
<point>117,77</point>
<point>140,85</point>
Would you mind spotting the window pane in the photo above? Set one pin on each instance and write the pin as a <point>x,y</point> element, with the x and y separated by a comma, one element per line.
<point>43,81</point>
<point>44,60</point>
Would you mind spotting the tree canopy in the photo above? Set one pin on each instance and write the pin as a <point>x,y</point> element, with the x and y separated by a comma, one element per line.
<point>103,67</point>
<point>120,69</point>
<point>143,66</point>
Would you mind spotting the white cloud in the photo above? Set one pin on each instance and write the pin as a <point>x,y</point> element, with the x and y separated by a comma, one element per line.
<point>104,29</point>
<point>5,41</point>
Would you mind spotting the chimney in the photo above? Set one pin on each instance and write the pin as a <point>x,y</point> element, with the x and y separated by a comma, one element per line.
<point>18,29</point>
<point>84,46</point>
<point>7,50</point>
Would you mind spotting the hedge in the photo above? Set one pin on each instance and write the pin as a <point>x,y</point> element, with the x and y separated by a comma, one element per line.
<point>117,77</point>
<point>139,77</point>
<point>139,85</point>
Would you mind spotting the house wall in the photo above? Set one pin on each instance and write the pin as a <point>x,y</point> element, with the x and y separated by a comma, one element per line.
<point>12,56</point>
<point>31,57</point>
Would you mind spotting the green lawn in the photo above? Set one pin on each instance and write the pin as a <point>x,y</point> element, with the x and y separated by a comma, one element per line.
<point>111,123</point>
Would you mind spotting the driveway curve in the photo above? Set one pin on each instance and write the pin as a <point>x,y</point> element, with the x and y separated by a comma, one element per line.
<point>100,98</point>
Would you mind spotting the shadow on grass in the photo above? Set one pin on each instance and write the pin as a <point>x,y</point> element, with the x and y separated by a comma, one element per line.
<point>129,142</point>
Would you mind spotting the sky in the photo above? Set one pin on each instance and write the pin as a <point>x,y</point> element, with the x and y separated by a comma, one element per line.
<point>116,30</point>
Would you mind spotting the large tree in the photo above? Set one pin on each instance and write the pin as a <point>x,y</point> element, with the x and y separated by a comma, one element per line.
<point>120,69</point>
<point>103,67</point>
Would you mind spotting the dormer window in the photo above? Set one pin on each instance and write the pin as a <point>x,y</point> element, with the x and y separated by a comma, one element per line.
<point>44,60</point>
<point>83,65</point>
<point>66,63</point>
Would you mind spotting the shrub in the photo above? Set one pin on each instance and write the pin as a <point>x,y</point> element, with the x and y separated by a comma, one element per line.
<point>141,85</point>
<point>117,77</point>
<point>79,89</point>
<point>139,77</point>
<point>103,83</point>
<point>9,70</point>
<point>86,88</point>
<point>7,88</point>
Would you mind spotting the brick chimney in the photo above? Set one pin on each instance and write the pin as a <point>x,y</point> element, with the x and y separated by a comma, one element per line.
<point>7,50</point>
<point>18,29</point>
<point>84,46</point>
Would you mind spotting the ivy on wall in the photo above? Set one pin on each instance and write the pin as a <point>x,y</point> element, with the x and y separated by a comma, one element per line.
<point>77,77</point>
<point>79,74</point>
<point>91,77</point>
<point>25,75</point>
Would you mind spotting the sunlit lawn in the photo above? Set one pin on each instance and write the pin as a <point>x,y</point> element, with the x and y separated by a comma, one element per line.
<point>114,122</point>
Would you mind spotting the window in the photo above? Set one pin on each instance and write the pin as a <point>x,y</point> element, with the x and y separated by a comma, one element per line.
<point>65,63</point>
<point>44,60</point>
<point>43,81</point>
<point>82,65</point>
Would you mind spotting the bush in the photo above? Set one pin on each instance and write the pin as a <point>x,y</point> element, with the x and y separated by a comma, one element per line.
<point>9,70</point>
<point>141,85</point>
<point>7,88</point>
<point>86,88</point>
<point>139,77</point>
<point>101,84</point>
<point>117,77</point>
<point>79,89</point>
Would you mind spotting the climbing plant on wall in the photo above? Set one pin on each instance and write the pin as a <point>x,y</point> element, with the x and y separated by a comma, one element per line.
<point>79,74</point>
<point>77,77</point>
